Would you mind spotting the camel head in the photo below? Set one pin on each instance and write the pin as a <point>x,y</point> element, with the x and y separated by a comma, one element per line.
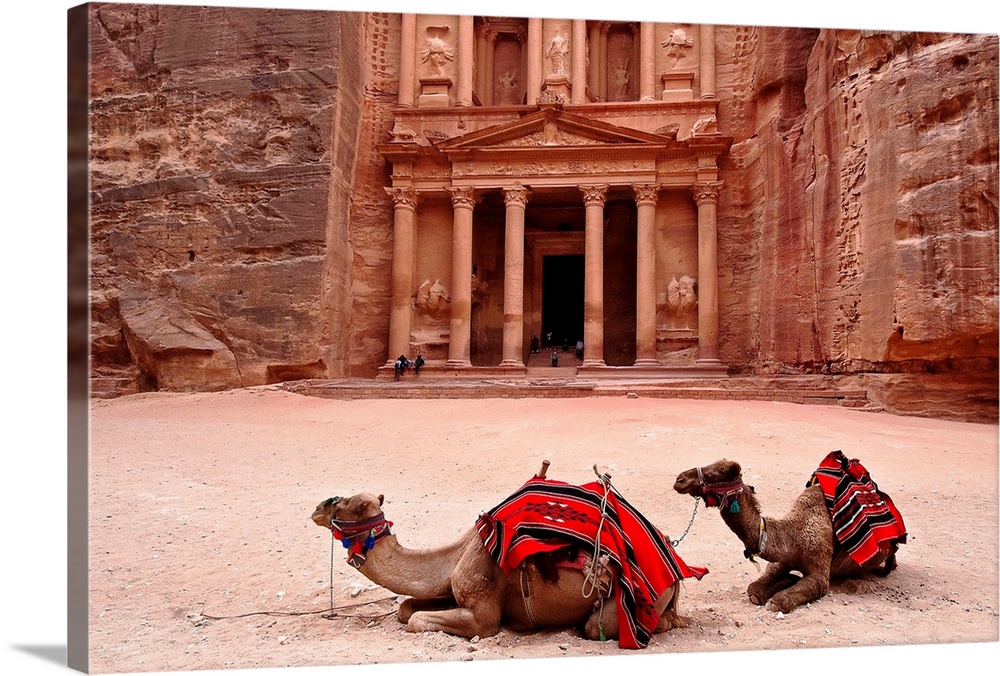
<point>722,472</point>
<point>360,507</point>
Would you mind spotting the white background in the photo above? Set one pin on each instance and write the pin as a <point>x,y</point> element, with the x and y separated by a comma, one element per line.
<point>33,250</point>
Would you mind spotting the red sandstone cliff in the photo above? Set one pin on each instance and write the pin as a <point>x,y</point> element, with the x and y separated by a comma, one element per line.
<point>860,228</point>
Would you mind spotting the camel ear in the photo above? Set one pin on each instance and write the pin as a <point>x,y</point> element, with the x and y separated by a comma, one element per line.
<point>380,499</point>
<point>735,471</point>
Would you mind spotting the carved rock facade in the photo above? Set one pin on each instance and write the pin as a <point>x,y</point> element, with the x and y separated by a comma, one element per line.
<point>246,169</point>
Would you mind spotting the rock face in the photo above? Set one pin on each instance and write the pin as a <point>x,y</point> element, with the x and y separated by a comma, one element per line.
<point>241,234</point>
<point>222,157</point>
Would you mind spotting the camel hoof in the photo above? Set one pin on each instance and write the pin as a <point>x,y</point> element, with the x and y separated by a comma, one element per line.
<point>756,600</point>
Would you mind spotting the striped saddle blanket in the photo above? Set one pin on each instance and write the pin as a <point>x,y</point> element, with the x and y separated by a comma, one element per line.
<point>545,515</point>
<point>863,516</point>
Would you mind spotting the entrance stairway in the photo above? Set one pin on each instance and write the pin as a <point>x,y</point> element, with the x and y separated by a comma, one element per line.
<point>539,366</point>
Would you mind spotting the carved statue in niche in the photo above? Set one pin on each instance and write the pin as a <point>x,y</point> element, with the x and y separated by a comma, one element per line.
<point>437,53</point>
<point>621,80</point>
<point>682,301</point>
<point>506,91</point>
<point>677,46</point>
<point>557,53</point>
<point>433,299</point>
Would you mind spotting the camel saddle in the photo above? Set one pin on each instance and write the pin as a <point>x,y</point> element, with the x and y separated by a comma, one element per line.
<point>863,516</point>
<point>545,515</point>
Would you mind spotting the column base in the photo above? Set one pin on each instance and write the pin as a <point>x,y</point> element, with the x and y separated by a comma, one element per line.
<point>588,363</point>
<point>708,362</point>
<point>458,364</point>
<point>512,363</point>
<point>646,362</point>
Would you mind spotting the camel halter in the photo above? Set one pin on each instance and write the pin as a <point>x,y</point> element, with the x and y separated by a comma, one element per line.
<point>724,496</point>
<point>358,537</point>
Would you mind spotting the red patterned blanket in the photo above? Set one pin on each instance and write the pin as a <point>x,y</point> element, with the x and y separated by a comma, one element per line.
<point>863,516</point>
<point>545,515</point>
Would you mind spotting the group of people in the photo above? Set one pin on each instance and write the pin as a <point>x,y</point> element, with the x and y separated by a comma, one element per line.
<point>402,363</point>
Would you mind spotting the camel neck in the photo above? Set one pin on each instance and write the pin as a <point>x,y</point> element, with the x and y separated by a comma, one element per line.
<point>421,573</point>
<point>746,522</point>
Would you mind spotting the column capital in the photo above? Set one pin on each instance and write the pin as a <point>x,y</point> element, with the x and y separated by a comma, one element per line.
<point>516,194</point>
<point>462,197</point>
<point>405,198</point>
<point>594,194</point>
<point>646,193</point>
<point>706,193</point>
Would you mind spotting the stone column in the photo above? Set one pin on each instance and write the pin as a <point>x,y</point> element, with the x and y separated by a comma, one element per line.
<point>578,47</point>
<point>404,240</point>
<point>460,340</point>
<point>488,65</point>
<point>594,197</point>
<point>479,72</point>
<point>706,195</point>
<point>534,84</point>
<point>645,275</point>
<point>516,198</point>
<point>407,43</point>
<point>602,76</point>
<point>596,58</point>
<point>466,43</point>
<point>647,61</point>
<point>707,61</point>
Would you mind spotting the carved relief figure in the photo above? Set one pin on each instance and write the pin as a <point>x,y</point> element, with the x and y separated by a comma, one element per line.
<point>682,301</point>
<point>507,89</point>
<point>557,53</point>
<point>433,299</point>
<point>677,46</point>
<point>621,80</point>
<point>705,126</point>
<point>437,53</point>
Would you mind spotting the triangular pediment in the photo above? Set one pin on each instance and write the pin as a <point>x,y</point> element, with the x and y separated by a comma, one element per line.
<point>551,128</point>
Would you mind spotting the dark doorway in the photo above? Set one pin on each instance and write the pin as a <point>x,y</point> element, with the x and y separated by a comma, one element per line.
<point>562,299</point>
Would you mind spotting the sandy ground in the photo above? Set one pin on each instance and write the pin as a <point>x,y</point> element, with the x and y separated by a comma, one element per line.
<point>200,507</point>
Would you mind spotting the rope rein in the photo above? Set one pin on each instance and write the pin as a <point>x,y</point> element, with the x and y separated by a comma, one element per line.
<point>331,613</point>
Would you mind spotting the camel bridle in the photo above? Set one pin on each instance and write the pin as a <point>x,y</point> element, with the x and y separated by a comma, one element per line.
<point>358,537</point>
<point>724,496</point>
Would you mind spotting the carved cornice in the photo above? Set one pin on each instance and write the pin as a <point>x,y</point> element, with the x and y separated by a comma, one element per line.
<point>594,194</point>
<point>403,198</point>
<point>706,193</point>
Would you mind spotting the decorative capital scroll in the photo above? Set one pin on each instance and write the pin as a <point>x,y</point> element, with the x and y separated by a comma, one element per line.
<point>516,195</point>
<point>403,198</point>
<point>706,193</point>
<point>462,197</point>
<point>594,194</point>
<point>646,193</point>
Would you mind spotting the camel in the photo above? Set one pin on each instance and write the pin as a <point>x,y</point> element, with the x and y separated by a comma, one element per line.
<point>802,542</point>
<point>461,590</point>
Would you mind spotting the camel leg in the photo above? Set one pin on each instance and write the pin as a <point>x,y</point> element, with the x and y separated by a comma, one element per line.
<point>670,618</point>
<point>813,585</point>
<point>776,577</point>
<point>604,621</point>
<point>411,605</point>
<point>485,621</point>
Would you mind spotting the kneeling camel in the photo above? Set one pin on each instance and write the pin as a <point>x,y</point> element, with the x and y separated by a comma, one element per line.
<point>461,590</point>
<point>804,540</point>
